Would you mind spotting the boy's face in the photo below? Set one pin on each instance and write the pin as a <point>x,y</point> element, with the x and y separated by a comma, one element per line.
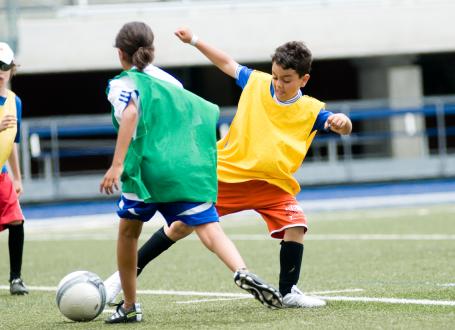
<point>287,82</point>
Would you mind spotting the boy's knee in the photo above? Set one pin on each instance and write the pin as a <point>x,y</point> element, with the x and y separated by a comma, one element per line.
<point>16,223</point>
<point>210,234</point>
<point>129,234</point>
<point>294,234</point>
<point>130,230</point>
<point>178,230</point>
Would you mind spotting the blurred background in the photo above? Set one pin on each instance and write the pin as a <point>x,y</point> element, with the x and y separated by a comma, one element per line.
<point>388,64</point>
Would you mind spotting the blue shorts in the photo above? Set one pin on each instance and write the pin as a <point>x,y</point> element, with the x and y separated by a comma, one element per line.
<point>190,213</point>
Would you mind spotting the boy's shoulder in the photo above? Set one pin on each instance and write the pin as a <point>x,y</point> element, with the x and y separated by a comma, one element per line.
<point>142,78</point>
<point>10,93</point>
<point>258,78</point>
<point>309,98</point>
<point>314,102</point>
<point>261,74</point>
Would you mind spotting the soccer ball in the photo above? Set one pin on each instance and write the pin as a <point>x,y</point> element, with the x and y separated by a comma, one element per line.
<point>81,296</point>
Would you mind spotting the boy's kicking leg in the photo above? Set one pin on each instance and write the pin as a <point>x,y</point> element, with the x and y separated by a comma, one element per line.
<point>215,240</point>
<point>213,237</point>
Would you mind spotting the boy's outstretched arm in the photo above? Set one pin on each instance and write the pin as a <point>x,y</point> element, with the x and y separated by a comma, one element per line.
<point>111,179</point>
<point>222,60</point>
<point>339,123</point>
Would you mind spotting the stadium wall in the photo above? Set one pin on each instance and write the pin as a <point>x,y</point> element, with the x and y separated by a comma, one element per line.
<point>75,38</point>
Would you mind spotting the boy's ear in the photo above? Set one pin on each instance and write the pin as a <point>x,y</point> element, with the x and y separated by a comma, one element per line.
<point>304,80</point>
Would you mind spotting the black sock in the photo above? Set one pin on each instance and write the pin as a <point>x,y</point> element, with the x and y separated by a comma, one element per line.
<point>16,248</point>
<point>156,245</point>
<point>291,254</point>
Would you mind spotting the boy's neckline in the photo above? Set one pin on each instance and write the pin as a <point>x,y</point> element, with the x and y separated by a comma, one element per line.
<point>293,99</point>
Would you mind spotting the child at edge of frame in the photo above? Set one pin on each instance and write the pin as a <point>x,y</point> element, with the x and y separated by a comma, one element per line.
<point>11,216</point>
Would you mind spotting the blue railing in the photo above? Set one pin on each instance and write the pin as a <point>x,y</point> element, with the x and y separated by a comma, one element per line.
<point>47,142</point>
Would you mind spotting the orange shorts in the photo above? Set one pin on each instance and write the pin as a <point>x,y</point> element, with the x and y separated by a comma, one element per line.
<point>279,209</point>
<point>10,209</point>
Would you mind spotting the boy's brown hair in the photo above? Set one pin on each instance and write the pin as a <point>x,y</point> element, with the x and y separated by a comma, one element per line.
<point>294,55</point>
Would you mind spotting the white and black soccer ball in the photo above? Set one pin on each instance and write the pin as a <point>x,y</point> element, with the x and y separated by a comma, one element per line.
<point>81,296</point>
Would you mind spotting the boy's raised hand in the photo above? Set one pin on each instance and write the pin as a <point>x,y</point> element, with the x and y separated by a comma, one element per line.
<point>184,34</point>
<point>223,61</point>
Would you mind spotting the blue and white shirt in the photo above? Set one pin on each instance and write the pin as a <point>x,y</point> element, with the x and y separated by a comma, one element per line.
<point>242,75</point>
<point>122,90</point>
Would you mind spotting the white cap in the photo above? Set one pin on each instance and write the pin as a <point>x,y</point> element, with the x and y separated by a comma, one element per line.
<point>6,53</point>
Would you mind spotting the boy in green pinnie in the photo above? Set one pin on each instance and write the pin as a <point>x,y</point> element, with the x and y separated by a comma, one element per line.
<point>165,157</point>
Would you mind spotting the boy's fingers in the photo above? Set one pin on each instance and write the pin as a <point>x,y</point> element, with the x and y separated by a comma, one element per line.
<point>327,125</point>
<point>179,33</point>
<point>102,186</point>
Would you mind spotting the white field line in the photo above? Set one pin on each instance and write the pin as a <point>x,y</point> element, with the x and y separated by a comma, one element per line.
<point>355,299</point>
<point>382,237</point>
<point>33,288</point>
<point>152,292</point>
<point>209,300</point>
<point>393,300</point>
<point>186,293</point>
<point>228,296</point>
<point>256,237</point>
<point>194,293</point>
<point>334,291</point>
<point>249,296</point>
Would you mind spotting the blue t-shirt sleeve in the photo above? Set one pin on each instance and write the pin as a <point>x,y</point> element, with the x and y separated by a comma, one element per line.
<point>242,75</point>
<point>19,118</point>
<point>321,119</point>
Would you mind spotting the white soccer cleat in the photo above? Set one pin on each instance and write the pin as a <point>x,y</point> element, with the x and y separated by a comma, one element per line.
<point>113,287</point>
<point>296,299</point>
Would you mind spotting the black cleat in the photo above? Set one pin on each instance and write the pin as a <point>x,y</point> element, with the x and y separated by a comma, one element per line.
<point>265,293</point>
<point>18,287</point>
<point>121,315</point>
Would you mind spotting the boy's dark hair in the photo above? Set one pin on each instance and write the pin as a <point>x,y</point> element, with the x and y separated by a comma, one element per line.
<point>293,55</point>
<point>135,39</point>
